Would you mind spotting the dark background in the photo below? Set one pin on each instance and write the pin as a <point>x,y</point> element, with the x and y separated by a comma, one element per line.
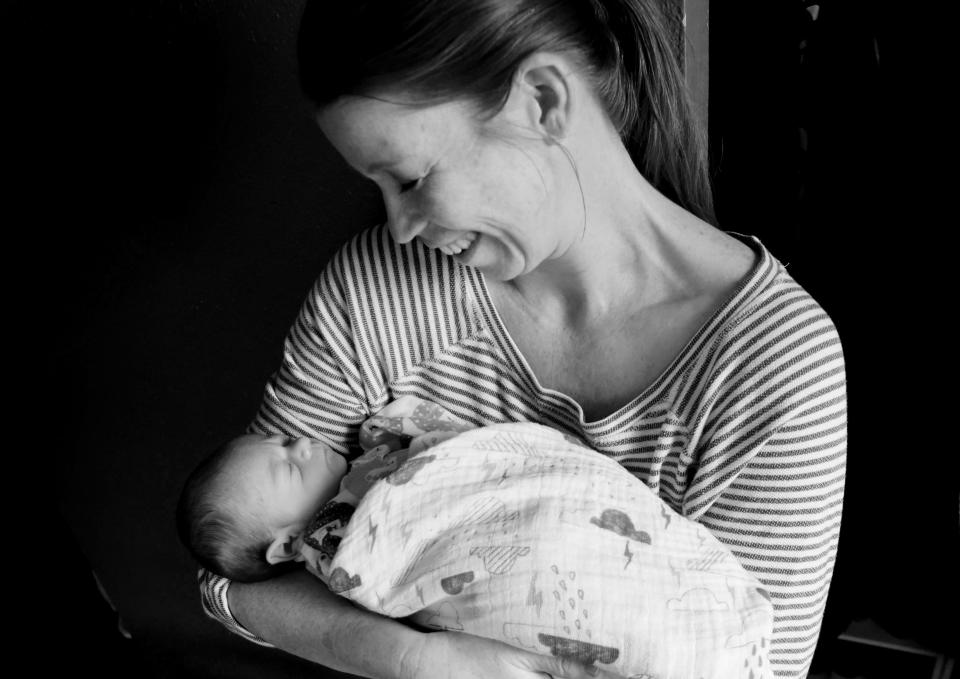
<point>171,202</point>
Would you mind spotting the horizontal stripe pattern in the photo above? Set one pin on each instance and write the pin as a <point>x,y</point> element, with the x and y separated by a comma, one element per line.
<point>745,432</point>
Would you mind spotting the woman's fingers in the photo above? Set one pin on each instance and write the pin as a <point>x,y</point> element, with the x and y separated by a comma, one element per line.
<point>452,655</point>
<point>566,668</point>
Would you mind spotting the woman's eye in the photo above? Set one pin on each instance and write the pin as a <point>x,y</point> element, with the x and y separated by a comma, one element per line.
<point>409,186</point>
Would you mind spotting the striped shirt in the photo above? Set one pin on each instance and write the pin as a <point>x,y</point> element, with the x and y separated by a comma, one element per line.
<point>744,432</point>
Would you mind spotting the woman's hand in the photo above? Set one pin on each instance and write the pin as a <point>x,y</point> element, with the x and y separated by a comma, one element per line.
<point>452,655</point>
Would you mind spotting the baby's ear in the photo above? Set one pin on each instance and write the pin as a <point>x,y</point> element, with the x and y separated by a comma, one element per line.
<point>285,547</point>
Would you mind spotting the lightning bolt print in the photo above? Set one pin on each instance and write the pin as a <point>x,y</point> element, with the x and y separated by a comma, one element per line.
<point>666,516</point>
<point>535,596</point>
<point>405,532</point>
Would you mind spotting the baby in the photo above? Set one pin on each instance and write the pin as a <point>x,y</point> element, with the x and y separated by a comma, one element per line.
<point>244,508</point>
<point>516,532</point>
<point>245,511</point>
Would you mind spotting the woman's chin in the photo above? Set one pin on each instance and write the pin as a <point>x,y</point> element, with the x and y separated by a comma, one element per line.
<point>498,272</point>
<point>489,260</point>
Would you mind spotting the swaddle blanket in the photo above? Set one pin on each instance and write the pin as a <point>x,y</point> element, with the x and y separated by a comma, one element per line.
<point>519,533</point>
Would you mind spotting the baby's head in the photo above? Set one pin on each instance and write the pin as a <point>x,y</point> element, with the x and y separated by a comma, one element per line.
<point>243,510</point>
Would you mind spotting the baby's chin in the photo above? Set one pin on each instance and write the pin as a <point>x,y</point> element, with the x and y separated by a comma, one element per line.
<point>336,463</point>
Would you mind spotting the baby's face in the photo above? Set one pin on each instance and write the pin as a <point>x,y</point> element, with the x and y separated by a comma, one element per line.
<point>283,480</point>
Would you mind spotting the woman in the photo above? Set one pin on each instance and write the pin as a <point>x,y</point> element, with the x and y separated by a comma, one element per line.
<point>548,256</point>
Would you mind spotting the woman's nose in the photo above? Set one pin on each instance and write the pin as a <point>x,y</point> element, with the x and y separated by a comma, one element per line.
<point>403,222</point>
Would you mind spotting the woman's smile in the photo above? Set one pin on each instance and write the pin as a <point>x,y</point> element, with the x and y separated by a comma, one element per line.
<point>455,246</point>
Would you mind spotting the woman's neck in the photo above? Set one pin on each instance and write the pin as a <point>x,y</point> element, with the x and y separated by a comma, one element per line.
<point>630,256</point>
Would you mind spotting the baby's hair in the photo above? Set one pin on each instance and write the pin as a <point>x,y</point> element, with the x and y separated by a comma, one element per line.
<point>220,535</point>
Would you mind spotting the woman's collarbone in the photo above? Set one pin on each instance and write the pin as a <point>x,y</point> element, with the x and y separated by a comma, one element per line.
<point>603,368</point>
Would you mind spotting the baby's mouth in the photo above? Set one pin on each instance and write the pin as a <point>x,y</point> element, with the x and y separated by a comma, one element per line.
<point>458,246</point>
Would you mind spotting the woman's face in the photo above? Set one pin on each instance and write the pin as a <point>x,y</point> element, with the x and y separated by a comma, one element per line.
<point>490,194</point>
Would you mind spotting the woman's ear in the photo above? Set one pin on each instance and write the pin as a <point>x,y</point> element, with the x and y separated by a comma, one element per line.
<point>546,78</point>
<point>285,546</point>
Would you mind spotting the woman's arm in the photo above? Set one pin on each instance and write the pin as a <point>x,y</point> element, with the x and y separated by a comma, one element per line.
<point>296,613</point>
<point>772,466</point>
<point>781,517</point>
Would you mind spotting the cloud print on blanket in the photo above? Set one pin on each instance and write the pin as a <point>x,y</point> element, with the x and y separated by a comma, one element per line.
<point>518,532</point>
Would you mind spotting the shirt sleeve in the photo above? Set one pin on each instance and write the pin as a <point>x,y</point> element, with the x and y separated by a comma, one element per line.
<point>320,391</point>
<point>213,595</point>
<point>770,481</point>
<point>323,386</point>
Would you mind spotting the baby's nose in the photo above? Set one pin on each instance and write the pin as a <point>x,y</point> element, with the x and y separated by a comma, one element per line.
<point>302,448</point>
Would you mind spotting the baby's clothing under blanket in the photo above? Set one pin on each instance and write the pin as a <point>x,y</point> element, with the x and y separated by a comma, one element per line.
<point>520,533</point>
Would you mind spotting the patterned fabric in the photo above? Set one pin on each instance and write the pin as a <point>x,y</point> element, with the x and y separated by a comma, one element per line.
<point>404,428</point>
<point>520,533</point>
<point>745,432</point>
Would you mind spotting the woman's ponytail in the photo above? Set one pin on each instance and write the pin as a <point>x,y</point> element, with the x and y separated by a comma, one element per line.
<point>641,83</point>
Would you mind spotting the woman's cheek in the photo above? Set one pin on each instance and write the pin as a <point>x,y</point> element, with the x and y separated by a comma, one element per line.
<point>450,204</point>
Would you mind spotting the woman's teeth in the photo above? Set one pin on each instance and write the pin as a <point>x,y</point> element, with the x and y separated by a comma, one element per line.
<point>459,245</point>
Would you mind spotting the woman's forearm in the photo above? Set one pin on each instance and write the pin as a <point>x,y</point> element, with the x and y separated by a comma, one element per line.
<point>298,614</point>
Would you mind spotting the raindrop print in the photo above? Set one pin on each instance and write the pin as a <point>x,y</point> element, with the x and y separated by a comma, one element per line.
<point>572,575</point>
<point>555,569</point>
<point>580,594</point>
<point>572,601</point>
<point>563,585</point>
<point>556,595</point>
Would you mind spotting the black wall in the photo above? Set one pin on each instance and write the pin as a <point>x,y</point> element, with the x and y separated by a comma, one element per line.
<point>176,201</point>
<point>823,154</point>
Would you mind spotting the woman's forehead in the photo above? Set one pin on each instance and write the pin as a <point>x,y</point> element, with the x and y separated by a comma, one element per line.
<point>372,128</point>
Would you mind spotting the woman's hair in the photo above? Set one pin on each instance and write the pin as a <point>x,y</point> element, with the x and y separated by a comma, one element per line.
<point>443,50</point>
<point>222,537</point>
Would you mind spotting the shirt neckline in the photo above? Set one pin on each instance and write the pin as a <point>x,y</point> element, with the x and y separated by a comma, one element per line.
<point>548,396</point>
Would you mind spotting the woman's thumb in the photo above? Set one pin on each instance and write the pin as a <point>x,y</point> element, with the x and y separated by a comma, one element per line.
<point>563,667</point>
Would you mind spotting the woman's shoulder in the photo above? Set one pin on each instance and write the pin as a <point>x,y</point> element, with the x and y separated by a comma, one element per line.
<point>772,322</point>
<point>773,298</point>
<point>373,257</point>
<point>371,266</point>
<point>399,293</point>
<point>368,248</point>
